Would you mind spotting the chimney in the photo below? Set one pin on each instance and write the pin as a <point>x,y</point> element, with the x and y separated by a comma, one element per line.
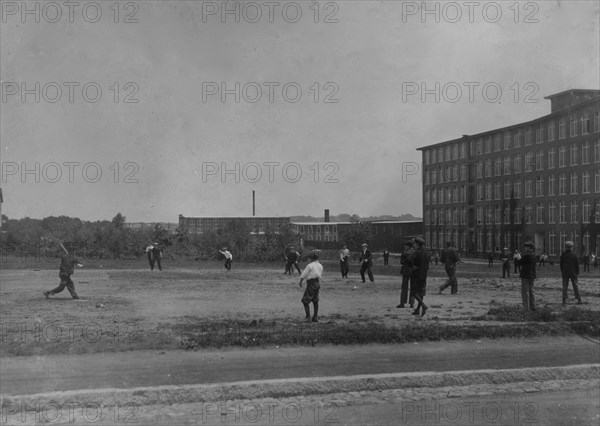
<point>326,215</point>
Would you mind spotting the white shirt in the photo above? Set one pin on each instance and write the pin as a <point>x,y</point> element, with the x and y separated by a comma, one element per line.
<point>227,254</point>
<point>344,254</point>
<point>313,270</point>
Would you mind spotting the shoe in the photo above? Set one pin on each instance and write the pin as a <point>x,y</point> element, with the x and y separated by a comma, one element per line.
<point>424,310</point>
<point>412,306</point>
<point>440,292</point>
<point>363,281</point>
<point>47,294</point>
<point>415,312</point>
<point>579,302</point>
<point>307,319</point>
<point>401,305</point>
<point>315,319</point>
<point>564,303</point>
<point>77,297</point>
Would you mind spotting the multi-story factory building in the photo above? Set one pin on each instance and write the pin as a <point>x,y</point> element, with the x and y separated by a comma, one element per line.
<point>537,180</point>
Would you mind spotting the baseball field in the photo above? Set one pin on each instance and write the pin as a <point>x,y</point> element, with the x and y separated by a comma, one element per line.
<point>192,305</point>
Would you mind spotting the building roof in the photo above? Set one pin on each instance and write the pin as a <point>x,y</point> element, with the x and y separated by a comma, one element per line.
<point>395,221</point>
<point>573,91</point>
<point>320,223</point>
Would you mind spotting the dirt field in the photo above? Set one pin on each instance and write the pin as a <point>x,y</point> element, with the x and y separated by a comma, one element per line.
<point>126,306</point>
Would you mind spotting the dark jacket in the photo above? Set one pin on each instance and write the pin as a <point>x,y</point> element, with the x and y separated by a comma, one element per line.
<point>528,266</point>
<point>449,257</point>
<point>67,265</point>
<point>419,263</point>
<point>366,257</point>
<point>405,269</point>
<point>569,264</point>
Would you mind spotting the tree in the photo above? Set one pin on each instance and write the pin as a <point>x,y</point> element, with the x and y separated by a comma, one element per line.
<point>359,232</point>
<point>118,221</point>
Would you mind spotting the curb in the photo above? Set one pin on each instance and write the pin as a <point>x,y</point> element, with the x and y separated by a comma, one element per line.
<point>281,388</point>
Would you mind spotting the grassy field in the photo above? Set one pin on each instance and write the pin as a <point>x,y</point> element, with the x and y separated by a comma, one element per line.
<point>191,305</point>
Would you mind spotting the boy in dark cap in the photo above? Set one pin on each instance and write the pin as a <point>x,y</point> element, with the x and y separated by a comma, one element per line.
<point>569,268</point>
<point>312,274</point>
<point>405,271</point>
<point>419,263</point>
<point>527,276</point>
<point>67,268</point>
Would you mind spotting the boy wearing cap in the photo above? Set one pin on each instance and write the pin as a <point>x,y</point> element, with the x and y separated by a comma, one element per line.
<point>228,258</point>
<point>157,256</point>
<point>450,258</point>
<point>505,263</point>
<point>419,265</point>
<point>569,268</point>
<point>405,271</point>
<point>312,274</point>
<point>367,263</point>
<point>67,268</point>
<point>344,259</point>
<point>527,276</point>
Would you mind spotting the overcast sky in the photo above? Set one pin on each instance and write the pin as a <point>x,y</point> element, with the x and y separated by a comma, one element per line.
<point>162,155</point>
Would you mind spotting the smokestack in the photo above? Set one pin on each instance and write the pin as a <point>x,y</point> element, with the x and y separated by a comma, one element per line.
<point>253,204</point>
<point>326,215</point>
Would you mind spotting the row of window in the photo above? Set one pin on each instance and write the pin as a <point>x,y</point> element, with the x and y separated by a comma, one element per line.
<point>311,229</point>
<point>576,154</point>
<point>553,243</point>
<point>578,125</point>
<point>566,184</point>
<point>540,213</point>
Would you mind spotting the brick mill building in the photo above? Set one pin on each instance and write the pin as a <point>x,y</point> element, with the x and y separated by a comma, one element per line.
<point>537,180</point>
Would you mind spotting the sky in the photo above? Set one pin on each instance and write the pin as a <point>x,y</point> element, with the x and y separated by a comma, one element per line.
<point>160,108</point>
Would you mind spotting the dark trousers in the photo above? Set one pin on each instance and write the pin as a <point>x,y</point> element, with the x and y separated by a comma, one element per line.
<point>368,267</point>
<point>586,267</point>
<point>65,281</point>
<point>404,291</point>
<point>151,261</point>
<point>451,282</point>
<point>344,268</point>
<point>528,294</point>
<point>417,291</point>
<point>565,287</point>
<point>227,264</point>
<point>289,265</point>
<point>157,260</point>
<point>386,261</point>
<point>506,269</point>
<point>517,267</point>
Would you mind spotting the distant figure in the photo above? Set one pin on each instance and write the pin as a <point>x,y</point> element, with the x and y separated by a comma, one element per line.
<point>436,258</point>
<point>228,258</point>
<point>586,261</point>
<point>505,263</point>
<point>292,258</point>
<point>150,256</point>
<point>419,266</point>
<point>67,268</point>
<point>595,261</point>
<point>406,272</point>
<point>517,261</point>
<point>450,258</point>
<point>386,257</point>
<point>312,274</point>
<point>528,276</point>
<point>367,263</point>
<point>490,258</point>
<point>344,261</point>
<point>569,269</point>
<point>157,255</point>
<point>543,259</point>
